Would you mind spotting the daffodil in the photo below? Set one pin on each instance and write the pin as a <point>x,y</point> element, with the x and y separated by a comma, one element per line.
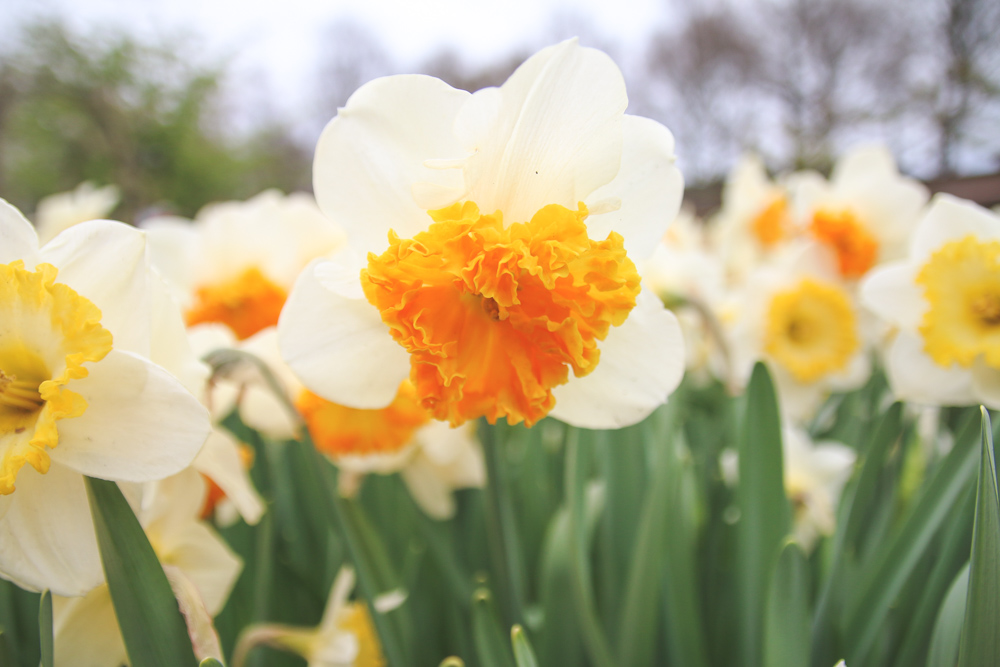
<point>235,264</point>
<point>61,211</point>
<point>80,319</point>
<point>864,215</point>
<point>200,568</point>
<point>944,302</point>
<point>495,237</point>
<point>803,319</point>
<point>345,636</point>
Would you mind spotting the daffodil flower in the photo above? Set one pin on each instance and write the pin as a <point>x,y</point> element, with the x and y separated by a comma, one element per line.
<point>200,567</point>
<point>61,211</point>
<point>80,319</point>
<point>944,301</point>
<point>864,215</point>
<point>494,239</point>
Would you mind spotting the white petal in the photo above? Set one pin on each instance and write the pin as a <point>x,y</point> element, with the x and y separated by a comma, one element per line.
<point>140,423</point>
<point>642,362</point>
<point>372,154</point>
<point>198,619</point>
<point>220,460</point>
<point>173,245</point>
<point>649,185</point>
<point>169,345</point>
<point>105,261</point>
<point>952,219</point>
<point>339,347</point>
<point>47,536</point>
<point>18,239</point>
<point>428,490</point>
<point>916,377</point>
<point>556,135</point>
<point>204,558</point>
<point>986,384</point>
<point>891,292</point>
<point>86,630</point>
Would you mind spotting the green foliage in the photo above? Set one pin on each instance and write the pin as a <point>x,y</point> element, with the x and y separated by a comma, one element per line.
<point>147,118</point>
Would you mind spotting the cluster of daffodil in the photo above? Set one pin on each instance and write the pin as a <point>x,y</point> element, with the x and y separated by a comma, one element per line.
<point>493,381</point>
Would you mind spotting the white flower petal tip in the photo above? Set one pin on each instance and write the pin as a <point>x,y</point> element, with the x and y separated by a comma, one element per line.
<point>339,346</point>
<point>18,239</point>
<point>642,362</point>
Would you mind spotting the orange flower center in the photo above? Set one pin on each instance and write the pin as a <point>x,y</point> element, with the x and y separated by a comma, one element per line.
<point>246,304</point>
<point>771,224</point>
<point>494,316</point>
<point>338,431</point>
<point>854,245</point>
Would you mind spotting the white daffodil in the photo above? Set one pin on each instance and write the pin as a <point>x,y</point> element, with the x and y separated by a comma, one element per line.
<point>345,636</point>
<point>200,568</point>
<point>236,262</point>
<point>495,236</point>
<point>815,475</point>
<point>755,218</point>
<point>61,211</point>
<point>432,457</point>
<point>864,214</point>
<point>80,319</point>
<point>800,317</point>
<point>944,300</point>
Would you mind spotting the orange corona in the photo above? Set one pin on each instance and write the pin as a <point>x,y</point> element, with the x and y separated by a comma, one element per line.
<point>855,247</point>
<point>495,316</point>
<point>246,304</point>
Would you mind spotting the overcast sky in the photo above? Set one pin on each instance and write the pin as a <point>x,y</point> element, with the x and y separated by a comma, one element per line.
<point>281,42</point>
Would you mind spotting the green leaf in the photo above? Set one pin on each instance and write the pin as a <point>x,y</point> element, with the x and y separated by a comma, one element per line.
<point>524,655</point>
<point>151,623</point>
<point>899,555</point>
<point>981,629</point>
<point>787,622</point>
<point>45,629</point>
<point>765,515</point>
<point>943,651</point>
<point>578,460</point>
<point>491,647</point>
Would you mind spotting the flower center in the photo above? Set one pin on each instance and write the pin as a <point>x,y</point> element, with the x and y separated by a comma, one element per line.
<point>810,330</point>
<point>855,247</point>
<point>339,431</point>
<point>961,283</point>
<point>358,622</point>
<point>771,224</point>
<point>246,304</point>
<point>494,316</point>
<point>47,333</point>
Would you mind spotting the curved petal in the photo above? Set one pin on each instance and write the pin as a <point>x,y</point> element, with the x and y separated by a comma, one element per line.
<point>339,347</point>
<point>552,136</point>
<point>891,293</point>
<point>169,344</point>
<point>649,186</point>
<point>428,490</point>
<point>642,362</point>
<point>140,423</point>
<point>914,376</point>
<point>204,558</point>
<point>18,239</point>
<point>951,219</point>
<point>373,153</point>
<point>173,247</point>
<point>220,460</point>
<point>85,630</point>
<point>105,261</point>
<point>47,537</point>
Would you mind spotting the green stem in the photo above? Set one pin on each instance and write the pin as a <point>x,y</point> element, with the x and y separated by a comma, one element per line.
<point>501,531</point>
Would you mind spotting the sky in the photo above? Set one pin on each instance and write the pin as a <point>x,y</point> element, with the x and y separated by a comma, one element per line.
<point>280,43</point>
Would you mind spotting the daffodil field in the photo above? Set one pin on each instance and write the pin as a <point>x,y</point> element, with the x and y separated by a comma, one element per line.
<point>495,398</point>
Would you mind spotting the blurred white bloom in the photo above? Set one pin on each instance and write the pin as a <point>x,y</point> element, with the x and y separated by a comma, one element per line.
<point>345,636</point>
<point>80,321</point>
<point>815,475</point>
<point>200,567</point>
<point>864,215</point>
<point>495,235</point>
<point>61,211</point>
<point>803,320</point>
<point>236,263</point>
<point>944,300</point>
